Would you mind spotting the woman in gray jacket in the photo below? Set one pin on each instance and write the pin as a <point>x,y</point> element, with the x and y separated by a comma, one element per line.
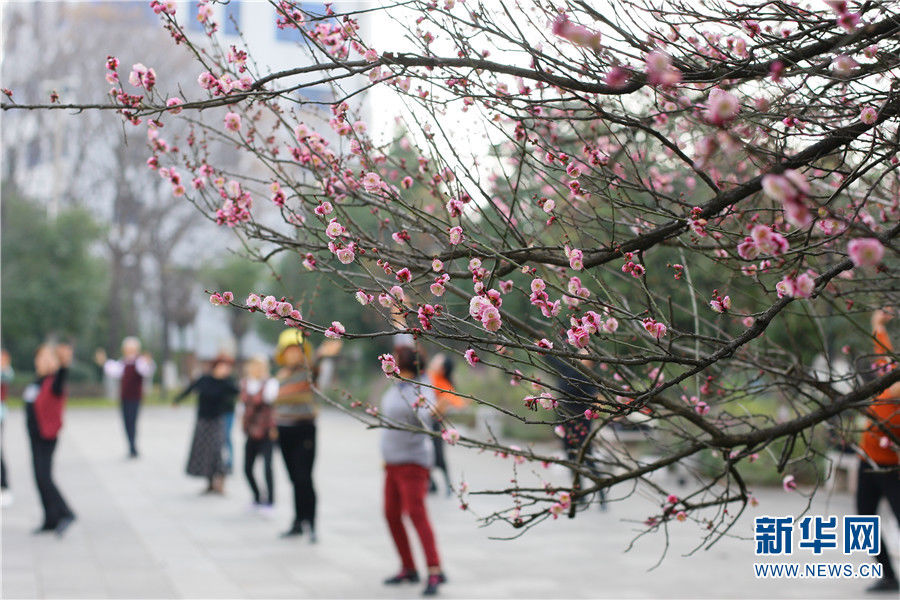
<point>408,457</point>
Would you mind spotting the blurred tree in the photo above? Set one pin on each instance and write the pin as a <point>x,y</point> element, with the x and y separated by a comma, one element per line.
<point>52,283</point>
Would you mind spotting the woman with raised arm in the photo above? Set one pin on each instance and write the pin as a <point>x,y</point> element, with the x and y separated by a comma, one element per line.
<point>45,403</point>
<point>216,392</point>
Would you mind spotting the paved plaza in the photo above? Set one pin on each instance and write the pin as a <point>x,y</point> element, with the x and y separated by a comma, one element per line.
<point>143,531</point>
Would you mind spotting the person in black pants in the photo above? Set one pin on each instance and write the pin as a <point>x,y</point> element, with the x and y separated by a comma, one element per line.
<point>577,394</point>
<point>44,405</point>
<point>258,392</point>
<point>879,470</point>
<point>131,371</point>
<point>295,416</point>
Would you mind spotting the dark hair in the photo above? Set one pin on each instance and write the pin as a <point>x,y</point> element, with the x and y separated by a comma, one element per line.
<point>448,368</point>
<point>221,359</point>
<point>408,360</point>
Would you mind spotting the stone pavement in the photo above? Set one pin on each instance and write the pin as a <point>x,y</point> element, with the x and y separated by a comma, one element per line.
<point>144,532</point>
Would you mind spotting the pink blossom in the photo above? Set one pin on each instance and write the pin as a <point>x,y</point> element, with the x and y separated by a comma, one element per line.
<point>268,303</point>
<point>173,103</point>
<point>252,301</point>
<point>233,122</point>
<point>206,80</point>
<point>141,76</point>
<point>788,483</point>
<point>437,266</point>
<point>345,255</point>
<point>659,69</point>
<point>403,275</point>
<point>790,188</point>
<point>490,319</point>
<point>610,325</point>
<point>283,309</point>
<point>843,65</point>
<point>334,229</point>
<point>868,115</point>
<point>324,209</point>
<point>372,182</point>
<point>654,328</point>
<point>471,357</point>
<point>617,77</point>
<point>450,435</point>
<point>865,252</point>
<point>388,364</point>
<point>722,107</point>
<point>456,235</point>
<point>335,331</point>
<point>216,300</point>
<point>576,258</point>
<point>577,34</point>
<point>363,297</point>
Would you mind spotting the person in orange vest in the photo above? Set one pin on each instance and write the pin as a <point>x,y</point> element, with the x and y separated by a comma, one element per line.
<point>45,402</point>
<point>440,375</point>
<point>879,475</point>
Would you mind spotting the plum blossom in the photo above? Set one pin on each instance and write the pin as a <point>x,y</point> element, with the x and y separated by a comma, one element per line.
<point>268,304</point>
<point>173,104</point>
<point>865,252</point>
<point>868,115</point>
<point>252,301</point>
<point>335,331</point>
<point>345,255</point>
<point>576,258</point>
<point>233,122</point>
<point>660,71</point>
<point>471,357</point>
<point>722,107</point>
<point>456,235</point>
<point>364,298</point>
<point>788,483</point>
<point>372,182</point>
<point>388,364</point>
<point>801,286</point>
<point>655,328</point>
<point>789,188</point>
<point>450,435</point>
<point>720,304</point>
<point>577,34</point>
<point>843,65</point>
<point>142,76</point>
<point>206,80</point>
<point>334,229</point>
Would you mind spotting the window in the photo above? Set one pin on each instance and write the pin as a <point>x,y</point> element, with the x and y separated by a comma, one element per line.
<point>193,24</point>
<point>232,17</point>
<point>290,34</point>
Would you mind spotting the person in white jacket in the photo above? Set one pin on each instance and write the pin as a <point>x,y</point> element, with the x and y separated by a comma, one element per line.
<point>131,371</point>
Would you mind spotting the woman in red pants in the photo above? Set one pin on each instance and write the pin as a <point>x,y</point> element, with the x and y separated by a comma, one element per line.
<point>408,457</point>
